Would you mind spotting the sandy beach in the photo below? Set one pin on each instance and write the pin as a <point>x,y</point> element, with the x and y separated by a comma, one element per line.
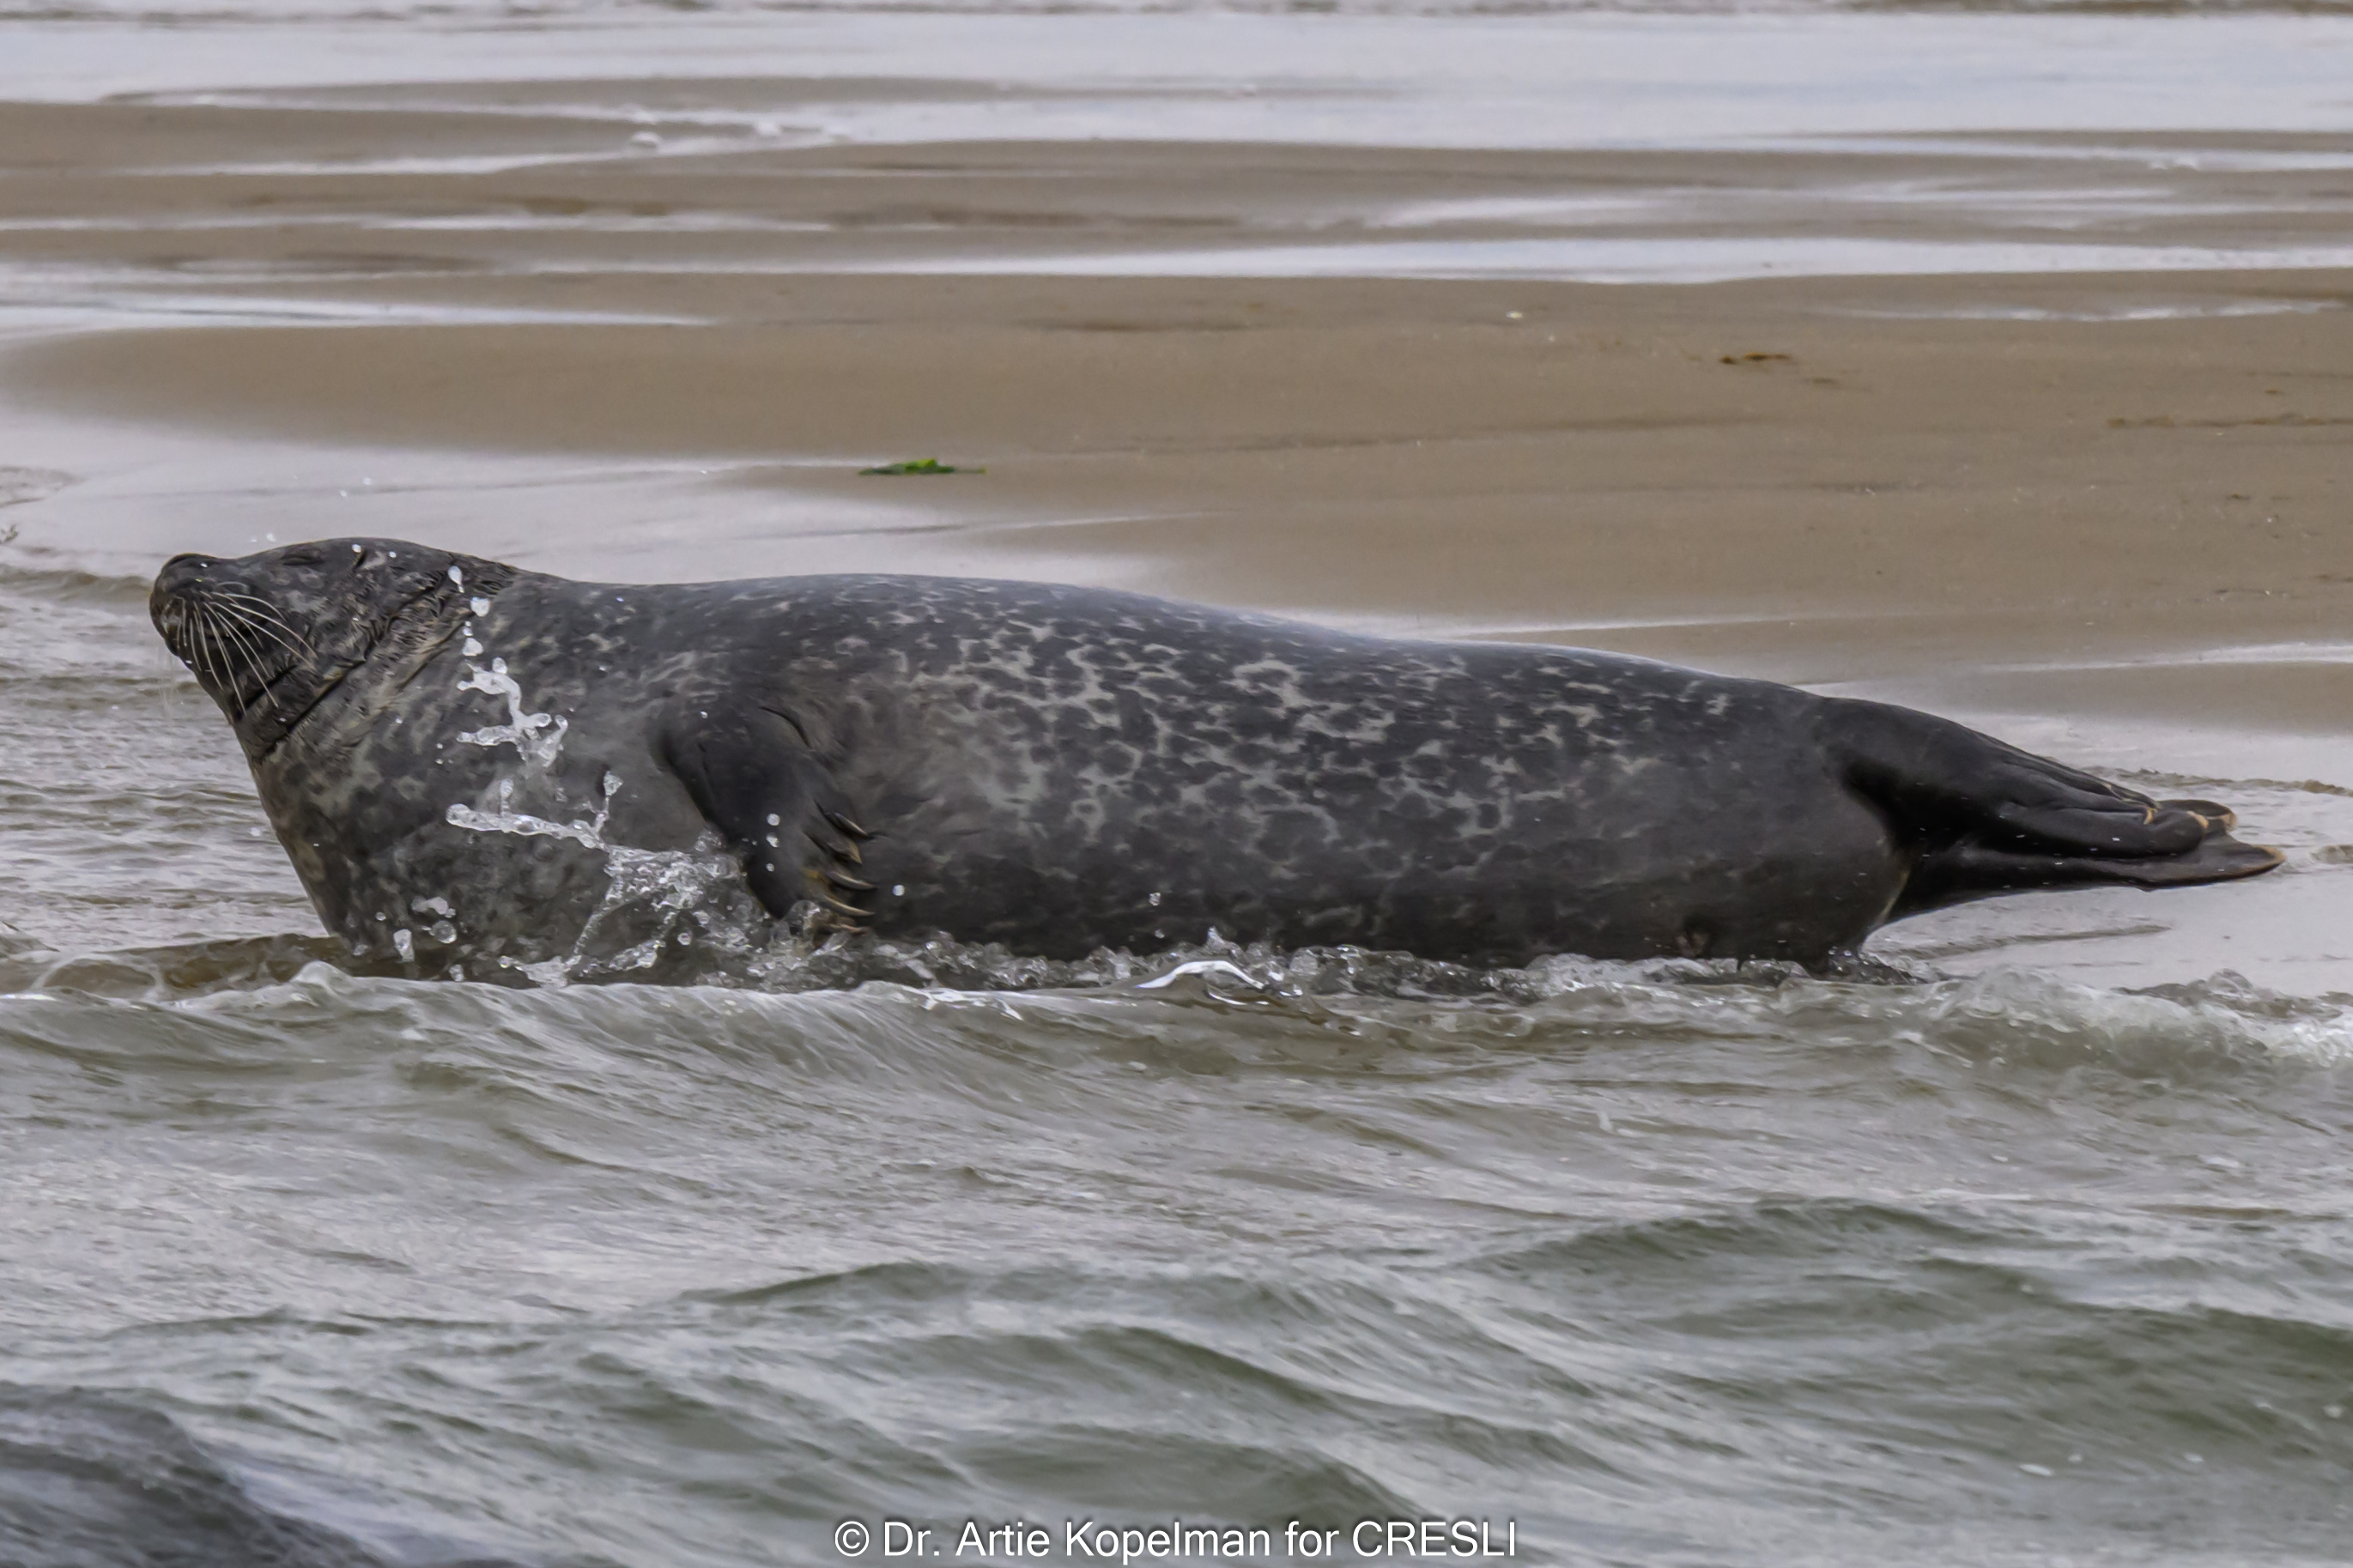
<point>1824,478</point>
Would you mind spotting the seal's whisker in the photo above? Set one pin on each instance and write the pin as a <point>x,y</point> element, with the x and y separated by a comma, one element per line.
<point>200,657</point>
<point>228,655</point>
<point>252,658</point>
<point>261,611</point>
<point>262,678</point>
<point>248,602</point>
<point>283,635</point>
<point>208,670</point>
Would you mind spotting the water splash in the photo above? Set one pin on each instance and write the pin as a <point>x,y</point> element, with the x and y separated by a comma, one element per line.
<point>688,896</point>
<point>538,737</point>
<point>839,960</point>
<point>523,825</point>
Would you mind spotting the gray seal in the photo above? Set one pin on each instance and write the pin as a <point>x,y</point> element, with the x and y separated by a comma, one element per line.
<point>480,768</point>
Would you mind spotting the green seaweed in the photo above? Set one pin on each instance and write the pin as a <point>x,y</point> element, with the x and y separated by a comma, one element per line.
<point>920,466</point>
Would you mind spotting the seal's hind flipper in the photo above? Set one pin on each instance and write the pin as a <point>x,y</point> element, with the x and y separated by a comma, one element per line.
<point>751,772</point>
<point>1987,818</point>
<point>1967,871</point>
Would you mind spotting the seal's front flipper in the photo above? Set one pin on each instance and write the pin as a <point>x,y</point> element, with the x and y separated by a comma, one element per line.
<point>1987,818</point>
<point>751,772</point>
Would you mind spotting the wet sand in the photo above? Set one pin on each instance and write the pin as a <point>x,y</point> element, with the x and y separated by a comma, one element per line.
<point>1827,477</point>
<point>1741,472</point>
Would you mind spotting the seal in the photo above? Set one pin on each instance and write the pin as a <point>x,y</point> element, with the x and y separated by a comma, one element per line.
<point>475,768</point>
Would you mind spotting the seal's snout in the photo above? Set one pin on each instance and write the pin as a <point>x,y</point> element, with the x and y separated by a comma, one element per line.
<point>182,571</point>
<point>181,575</point>
<point>168,602</point>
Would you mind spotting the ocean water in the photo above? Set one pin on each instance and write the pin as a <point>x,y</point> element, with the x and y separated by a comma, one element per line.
<point>2023,1239</point>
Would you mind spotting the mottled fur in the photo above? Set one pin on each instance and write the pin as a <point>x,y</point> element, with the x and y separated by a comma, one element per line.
<point>1059,769</point>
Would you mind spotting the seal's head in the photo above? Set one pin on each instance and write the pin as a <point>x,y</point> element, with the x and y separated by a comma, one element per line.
<point>272,637</point>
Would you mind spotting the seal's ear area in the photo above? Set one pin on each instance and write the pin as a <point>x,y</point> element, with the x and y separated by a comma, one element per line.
<point>752,773</point>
